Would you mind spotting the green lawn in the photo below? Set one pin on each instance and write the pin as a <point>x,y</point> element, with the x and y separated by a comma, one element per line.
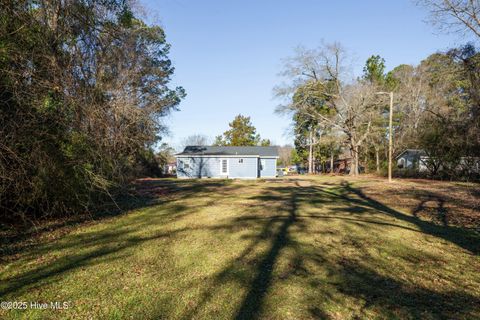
<point>297,248</point>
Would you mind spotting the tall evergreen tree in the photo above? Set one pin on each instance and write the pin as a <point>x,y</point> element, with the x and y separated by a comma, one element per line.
<point>241,133</point>
<point>374,70</point>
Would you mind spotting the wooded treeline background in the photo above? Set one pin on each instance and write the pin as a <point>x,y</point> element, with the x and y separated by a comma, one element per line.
<point>436,109</point>
<point>436,103</point>
<point>83,89</point>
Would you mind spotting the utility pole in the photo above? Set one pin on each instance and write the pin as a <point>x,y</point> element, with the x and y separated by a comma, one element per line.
<point>390,135</point>
<point>390,139</point>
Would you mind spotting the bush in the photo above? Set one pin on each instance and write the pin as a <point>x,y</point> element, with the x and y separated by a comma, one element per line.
<point>83,88</point>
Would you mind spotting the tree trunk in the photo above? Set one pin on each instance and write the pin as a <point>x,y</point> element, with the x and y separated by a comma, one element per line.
<point>331,163</point>
<point>354,162</point>
<point>310,154</point>
<point>366,162</point>
<point>357,162</point>
<point>314,163</point>
<point>377,159</point>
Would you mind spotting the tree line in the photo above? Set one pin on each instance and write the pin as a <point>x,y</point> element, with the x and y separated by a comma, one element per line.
<point>84,86</point>
<point>436,104</point>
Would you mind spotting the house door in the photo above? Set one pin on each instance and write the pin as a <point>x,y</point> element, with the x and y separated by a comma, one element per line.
<point>224,167</point>
<point>261,167</point>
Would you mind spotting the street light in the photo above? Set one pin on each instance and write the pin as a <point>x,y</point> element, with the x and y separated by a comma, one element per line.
<point>390,136</point>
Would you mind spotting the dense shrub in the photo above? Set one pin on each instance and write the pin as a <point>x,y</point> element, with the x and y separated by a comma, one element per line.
<point>83,87</point>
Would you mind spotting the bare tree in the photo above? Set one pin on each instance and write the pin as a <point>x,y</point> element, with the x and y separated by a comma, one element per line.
<point>460,16</point>
<point>321,89</point>
<point>196,140</point>
<point>410,86</point>
<point>285,155</point>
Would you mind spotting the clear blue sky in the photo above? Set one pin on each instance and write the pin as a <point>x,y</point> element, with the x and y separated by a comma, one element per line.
<point>227,54</point>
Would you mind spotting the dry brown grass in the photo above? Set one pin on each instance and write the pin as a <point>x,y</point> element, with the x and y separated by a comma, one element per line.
<point>448,203</point>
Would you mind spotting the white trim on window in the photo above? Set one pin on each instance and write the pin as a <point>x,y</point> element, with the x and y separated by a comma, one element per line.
<point>224,166</point>
<point>186,163</point>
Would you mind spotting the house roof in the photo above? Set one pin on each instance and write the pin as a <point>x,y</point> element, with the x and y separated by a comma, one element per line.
<point>415,152</point>
<point>229,151</point>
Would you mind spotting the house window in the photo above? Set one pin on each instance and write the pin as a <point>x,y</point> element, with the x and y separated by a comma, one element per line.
<point>186,164</point>
<point>224,166</point>
<point>240,160</point>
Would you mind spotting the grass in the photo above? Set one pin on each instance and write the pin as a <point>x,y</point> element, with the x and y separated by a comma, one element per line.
<point>297,248</point>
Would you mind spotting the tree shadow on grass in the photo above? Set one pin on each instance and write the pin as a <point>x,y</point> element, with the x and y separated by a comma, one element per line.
<point>271,224</point>
<point>273,230</point>
<point>252,303</point>
<point>84,250</point>
<point>466,239</point>
<point>387,297</point>
<point>145,193</point>
<point>395,299</point>
<point>111,242</point>
<point>450,205</point>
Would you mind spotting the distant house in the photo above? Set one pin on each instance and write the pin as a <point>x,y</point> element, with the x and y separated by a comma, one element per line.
<point>413,159</point>
<point>227,162</point>
<point>341,165</point>
<point>170,168</point>
<point>418,160</point>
